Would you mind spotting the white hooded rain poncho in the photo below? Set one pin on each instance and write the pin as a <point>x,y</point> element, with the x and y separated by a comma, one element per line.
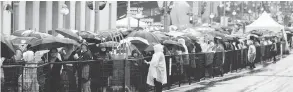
<point>157,69</point>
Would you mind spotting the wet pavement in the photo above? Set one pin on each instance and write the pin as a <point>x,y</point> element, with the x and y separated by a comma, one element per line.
<point>276,77</point>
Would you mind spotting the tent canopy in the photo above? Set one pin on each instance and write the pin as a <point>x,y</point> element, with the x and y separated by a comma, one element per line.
<point>265,21</point>
<point>133,22</point>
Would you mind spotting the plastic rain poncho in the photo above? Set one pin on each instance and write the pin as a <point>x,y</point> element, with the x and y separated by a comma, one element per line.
<point>30,82</point>
<point>251,51</point>
<point>157,69</point>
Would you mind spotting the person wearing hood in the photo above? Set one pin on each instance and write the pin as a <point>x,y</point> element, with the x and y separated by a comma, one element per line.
<point>157,75</point>
<point>29,74</point>
<point>185,57</point>
<point>251,54</point>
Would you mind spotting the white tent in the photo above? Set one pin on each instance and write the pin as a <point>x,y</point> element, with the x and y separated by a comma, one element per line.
<point>265,21</point>
<point>133,22</point>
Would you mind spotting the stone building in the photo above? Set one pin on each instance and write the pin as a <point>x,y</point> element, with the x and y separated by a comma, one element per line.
<point>46,15</point>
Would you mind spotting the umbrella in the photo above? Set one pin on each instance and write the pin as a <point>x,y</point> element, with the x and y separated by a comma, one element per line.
<point>162,36</point>
<point>139,42</point>
<point>23,40</point>
<point>109,44</point>
<point>150,37</point>
<point>50,42</point>
<point>7,49</point>
<point>175,33</point>
<point>22,33</point>
<point>30,33</point>
<point>170,42</point>
<point>68,33</point>
<point>89,36</point>
<point>192,37</point>
<point>216,33</point>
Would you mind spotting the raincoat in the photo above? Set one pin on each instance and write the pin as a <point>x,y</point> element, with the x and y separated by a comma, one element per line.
<point>251,52</point>
<point>30,81</point>
<point>185,55</point>
<point>157,69</point>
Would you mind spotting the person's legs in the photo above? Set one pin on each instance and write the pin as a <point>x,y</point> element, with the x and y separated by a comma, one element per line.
<point>158,86</point>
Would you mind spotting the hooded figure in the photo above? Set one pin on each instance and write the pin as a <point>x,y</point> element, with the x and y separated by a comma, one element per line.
<point>157,75</point>
<point>251,53</point>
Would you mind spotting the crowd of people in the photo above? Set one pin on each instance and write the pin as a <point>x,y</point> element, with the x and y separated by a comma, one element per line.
<point>66,77</point>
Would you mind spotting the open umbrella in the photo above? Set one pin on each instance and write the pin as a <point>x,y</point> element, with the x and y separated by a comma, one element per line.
<point>175,33</point>
<point>89,36</point>
<point>139,42</point>
<point>50,42</point>
<point>30,33</point>
<point>23,40</point>
<point>150,37</point>
<point>7,49</point>
<point>171,42</point>
<point>109,44</point>
<point>22,33</point>
<point>192,37</point>
<point>68,33</point>
<point>162,36</point>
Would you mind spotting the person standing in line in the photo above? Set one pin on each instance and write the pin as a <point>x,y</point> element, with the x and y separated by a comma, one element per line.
<point>274,50</point>
<point>251,54</point>
<point>29,74</point>
<point>83,69</point>
<point>157,75</point>
<point>53,76</point>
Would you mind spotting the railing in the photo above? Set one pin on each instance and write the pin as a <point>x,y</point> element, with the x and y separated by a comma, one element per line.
<point>124,75</point>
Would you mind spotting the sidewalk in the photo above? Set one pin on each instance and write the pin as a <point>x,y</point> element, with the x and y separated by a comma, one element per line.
<point>206,84</point>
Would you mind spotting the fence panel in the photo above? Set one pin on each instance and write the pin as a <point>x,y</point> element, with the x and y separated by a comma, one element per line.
<point>122,75</point>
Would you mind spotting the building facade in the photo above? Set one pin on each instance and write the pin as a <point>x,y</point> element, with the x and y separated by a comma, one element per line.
<point>46,15</point>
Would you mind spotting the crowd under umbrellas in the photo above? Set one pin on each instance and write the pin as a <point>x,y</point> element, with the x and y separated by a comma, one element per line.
<point>118,45</point>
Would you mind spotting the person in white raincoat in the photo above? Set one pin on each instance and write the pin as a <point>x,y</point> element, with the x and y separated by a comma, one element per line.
<point>157,75</point>
<point>30,81</point>
<point>251,54</point>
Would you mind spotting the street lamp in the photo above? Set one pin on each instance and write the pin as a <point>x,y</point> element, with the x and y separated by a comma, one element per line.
<point>138,17</point>
<point>234,13</point>
<point>64,11</point>
<point>212,16</point>
<point>249,11</point>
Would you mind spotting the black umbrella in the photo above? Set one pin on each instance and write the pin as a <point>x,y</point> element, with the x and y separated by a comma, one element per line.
<point>52,42</point>
<point>7,49</point>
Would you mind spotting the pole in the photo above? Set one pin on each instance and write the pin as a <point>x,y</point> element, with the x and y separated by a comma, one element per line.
<point>128,15</point>
<point>97,16</point>
<point>224,9</point>
<point>138,22</point>
<point>166,16</point>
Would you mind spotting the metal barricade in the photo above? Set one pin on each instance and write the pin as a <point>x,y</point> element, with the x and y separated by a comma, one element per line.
<point>124,75</point>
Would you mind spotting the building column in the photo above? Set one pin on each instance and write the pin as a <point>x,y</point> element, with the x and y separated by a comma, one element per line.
<point>1,10</point>
<point>113,14</point>
<point>60,16</point>
<point>90,19</point>
<point>82,15</point>
<point>49,15</point>
<point>6,18</point>
<point>72,14</point>
<point>22,14</point>
<point>36,15</point>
